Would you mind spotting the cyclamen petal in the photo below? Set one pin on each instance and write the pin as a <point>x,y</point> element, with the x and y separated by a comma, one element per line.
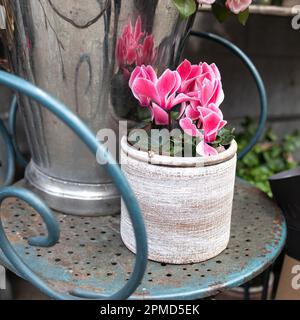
<point>138,29</point>
<point>189,127</point>
<point>218,95</point>
<point>184,69</point>
<point>135,73</point>
<point>237,6</point>
<point>216,71</point>
<point>144,83</point>
<point>143,72</point>
<point>147,52</point>
<point>196,70</point>
<point>210,126</point>
<point>203,149</point>
<point>207,92</point>
<point>146,88</point>
<point>210,71</point>
<point>174,101</point>
<point>131,55</point>
<point>204,111</point>
<point>151,73</point>
<point>206,1</point>
<point>188,74</point>
<point>211,119</point>
<point>160,116</point>
<point>211,122</point>
<point>192,113</point>
<point>165,86</point>
<point>222,124</point>
<point>177,82</point>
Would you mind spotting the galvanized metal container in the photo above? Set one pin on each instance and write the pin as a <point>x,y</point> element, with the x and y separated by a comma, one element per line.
<point>69,49</point>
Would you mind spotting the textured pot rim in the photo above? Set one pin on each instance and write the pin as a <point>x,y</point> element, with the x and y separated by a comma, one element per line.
<point>162,160</point>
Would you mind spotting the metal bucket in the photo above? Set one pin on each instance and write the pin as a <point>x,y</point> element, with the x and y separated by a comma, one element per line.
<point>68,48</point>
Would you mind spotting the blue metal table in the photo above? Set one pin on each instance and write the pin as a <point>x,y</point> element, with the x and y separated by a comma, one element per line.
<point>90,254</point>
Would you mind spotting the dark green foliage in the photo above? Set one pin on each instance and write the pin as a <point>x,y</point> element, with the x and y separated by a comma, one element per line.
<point>268,157</point>
<point>175,144</point>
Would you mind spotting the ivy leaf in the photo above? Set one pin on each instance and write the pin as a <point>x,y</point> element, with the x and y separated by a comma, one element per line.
<point>220,11</point>
<point>243,16</point>
<point>185,7</point>
<point>225,136</point>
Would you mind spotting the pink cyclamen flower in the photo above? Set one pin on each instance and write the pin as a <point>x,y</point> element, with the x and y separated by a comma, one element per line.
<point>195,112</point>
<point>210,119</point>
<point>212,122</point>
<point>206,1</point>
<point>208,86</point>
<point>129,42</point>
<point>134,47</point>
<point>146,53</point>
<point>201,82</point>
<point>145,72</point>
<point>237,6</point>
<point>159,94</point>
<point>188,74</point>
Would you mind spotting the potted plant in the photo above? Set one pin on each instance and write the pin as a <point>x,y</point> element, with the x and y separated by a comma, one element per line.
<point>183,176</point>
<point>182,165</point>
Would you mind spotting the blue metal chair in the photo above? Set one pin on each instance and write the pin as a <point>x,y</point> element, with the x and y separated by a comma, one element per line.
<point>87,136</point>
<point>68,117</point>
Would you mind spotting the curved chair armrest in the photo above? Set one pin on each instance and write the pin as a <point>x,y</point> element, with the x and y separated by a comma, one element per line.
<point>42,241</point>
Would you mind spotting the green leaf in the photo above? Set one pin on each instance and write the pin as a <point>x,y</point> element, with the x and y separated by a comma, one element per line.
<point>186,7</point>
<point>243,16</point>
<point>224,138</point>
<point>251,160</point>
<point>220,12</point>
<point>271,155</point>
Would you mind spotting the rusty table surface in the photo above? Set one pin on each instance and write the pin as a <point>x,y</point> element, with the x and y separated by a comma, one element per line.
<point>90,254</point>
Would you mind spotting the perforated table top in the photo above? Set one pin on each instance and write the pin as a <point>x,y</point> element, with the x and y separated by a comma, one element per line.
<point>90,254</point>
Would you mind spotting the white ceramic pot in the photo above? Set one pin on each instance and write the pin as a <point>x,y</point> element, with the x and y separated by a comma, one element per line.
<point>186,203</point>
